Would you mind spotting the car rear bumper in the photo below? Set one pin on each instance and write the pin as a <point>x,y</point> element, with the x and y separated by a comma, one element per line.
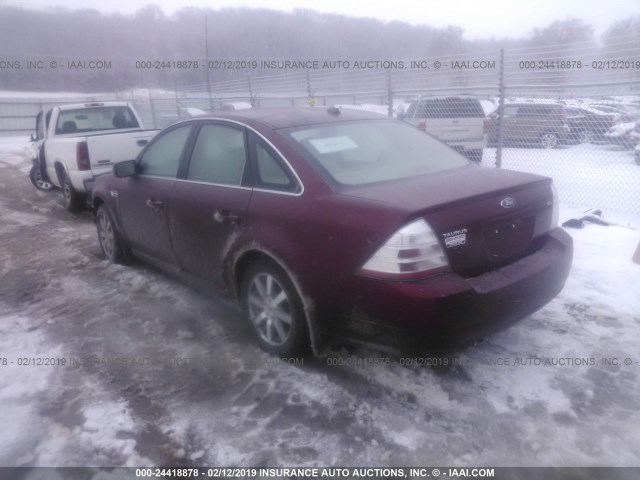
<point>450,310</point>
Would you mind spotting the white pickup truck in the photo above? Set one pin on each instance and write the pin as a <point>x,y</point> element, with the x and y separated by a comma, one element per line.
<point>74,143</point>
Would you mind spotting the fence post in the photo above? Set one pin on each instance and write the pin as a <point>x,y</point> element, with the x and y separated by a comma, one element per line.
<point>206,54</point>
<point>251,100</point>
<point>389,94</point>
<point>175,90</point>
<point>311,100</point>
<point>153,109</point>
<point>500,111</point>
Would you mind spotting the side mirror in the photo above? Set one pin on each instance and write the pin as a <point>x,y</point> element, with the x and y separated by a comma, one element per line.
<point>125,169</point>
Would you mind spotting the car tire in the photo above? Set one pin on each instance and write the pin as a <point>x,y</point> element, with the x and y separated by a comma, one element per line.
<point>586,136</point>
<point>549,140</point>
<point>74,201</point>
<point>35,175</point>
<point>274,310</point>
<point>111,243</point>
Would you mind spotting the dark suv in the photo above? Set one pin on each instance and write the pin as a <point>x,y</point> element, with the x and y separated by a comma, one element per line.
<point>538,124</point>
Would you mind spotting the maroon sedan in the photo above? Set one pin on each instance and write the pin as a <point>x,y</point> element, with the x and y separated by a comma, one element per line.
<point>325,221</point>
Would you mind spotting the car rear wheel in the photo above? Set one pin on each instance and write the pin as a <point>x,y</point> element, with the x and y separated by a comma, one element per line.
<point>274,310</point>
<point>74,201</point>
<point>111,243</point>
<point>586,136</point>
<point>549,140</point>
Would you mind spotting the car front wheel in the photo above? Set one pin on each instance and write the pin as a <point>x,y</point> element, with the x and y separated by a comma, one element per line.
<point>274,310</point>
<point>586,136</point>
<point>35,175</point>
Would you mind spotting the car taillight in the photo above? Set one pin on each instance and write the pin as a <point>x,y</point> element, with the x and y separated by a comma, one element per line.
<point>412,252</point>
<point>422,126</point>
<point>82,156</point>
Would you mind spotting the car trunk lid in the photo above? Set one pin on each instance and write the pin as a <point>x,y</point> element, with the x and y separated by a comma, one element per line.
<point>482,217</point>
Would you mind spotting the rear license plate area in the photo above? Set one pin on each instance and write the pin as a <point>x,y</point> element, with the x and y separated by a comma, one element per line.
<point>508,239</point>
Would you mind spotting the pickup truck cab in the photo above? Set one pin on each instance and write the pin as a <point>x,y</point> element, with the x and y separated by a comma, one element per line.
<point>74,143</point>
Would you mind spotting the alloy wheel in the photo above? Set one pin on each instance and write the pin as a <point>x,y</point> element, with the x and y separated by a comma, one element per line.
<point>270,309</point>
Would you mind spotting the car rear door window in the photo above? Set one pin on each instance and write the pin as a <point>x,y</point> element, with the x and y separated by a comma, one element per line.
<point>163,156</point>
<point>533,111</point>
<point>453,108</point>
<point>219,155</point>
<point>270,172</point>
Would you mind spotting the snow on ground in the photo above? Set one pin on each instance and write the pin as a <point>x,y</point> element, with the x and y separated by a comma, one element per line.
<point>159,374</point>
<point>586,175</point>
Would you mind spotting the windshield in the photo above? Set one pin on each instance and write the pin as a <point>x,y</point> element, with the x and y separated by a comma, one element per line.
<point>356,153</point>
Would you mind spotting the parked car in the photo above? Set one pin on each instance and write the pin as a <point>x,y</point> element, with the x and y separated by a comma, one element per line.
<point>457,121</point>
<point>324,221</point>
<point>538,124</point>
<point>588,124</point>
<point>624,113</point>
<point>627,135</point>
<point>73,143</point>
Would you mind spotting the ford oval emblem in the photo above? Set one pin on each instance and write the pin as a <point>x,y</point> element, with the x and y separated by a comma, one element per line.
<point>508,202</point>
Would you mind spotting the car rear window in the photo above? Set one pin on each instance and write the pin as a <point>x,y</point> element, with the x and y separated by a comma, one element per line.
<point>357,153</point>
<point>95,119</point>
<point>446,108</point>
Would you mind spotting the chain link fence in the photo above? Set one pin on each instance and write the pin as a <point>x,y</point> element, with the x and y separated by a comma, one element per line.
<point>561,111</point>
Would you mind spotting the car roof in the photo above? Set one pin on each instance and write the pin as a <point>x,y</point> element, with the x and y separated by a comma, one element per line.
<point>277,118</point>
<point>534,104</point>
<point>74,106</point>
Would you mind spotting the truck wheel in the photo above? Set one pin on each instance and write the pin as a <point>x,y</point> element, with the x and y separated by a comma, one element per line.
<point>73,200</point>
<point>111,243</point>
<point>35,175</point>
<point>273,308</point>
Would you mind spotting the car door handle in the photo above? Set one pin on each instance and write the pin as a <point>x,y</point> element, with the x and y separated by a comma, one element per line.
<point>225,216</point>
<point>142,143</point>
<point>155,204</point>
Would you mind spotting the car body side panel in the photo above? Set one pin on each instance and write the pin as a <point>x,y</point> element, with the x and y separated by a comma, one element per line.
<point>203,222</point>
<point>143,211</point>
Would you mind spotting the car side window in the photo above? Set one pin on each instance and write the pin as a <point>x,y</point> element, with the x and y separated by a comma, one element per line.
<point>510,111</point>
<point>270,172</point>
<point>533,111</point>
<point>163,156</point>
<point>219,155</point>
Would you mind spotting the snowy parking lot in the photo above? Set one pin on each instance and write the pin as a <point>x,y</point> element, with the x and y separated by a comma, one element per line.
<point>106,365</point>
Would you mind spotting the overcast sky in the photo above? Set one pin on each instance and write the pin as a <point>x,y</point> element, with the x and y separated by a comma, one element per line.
<point>478,18</point>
